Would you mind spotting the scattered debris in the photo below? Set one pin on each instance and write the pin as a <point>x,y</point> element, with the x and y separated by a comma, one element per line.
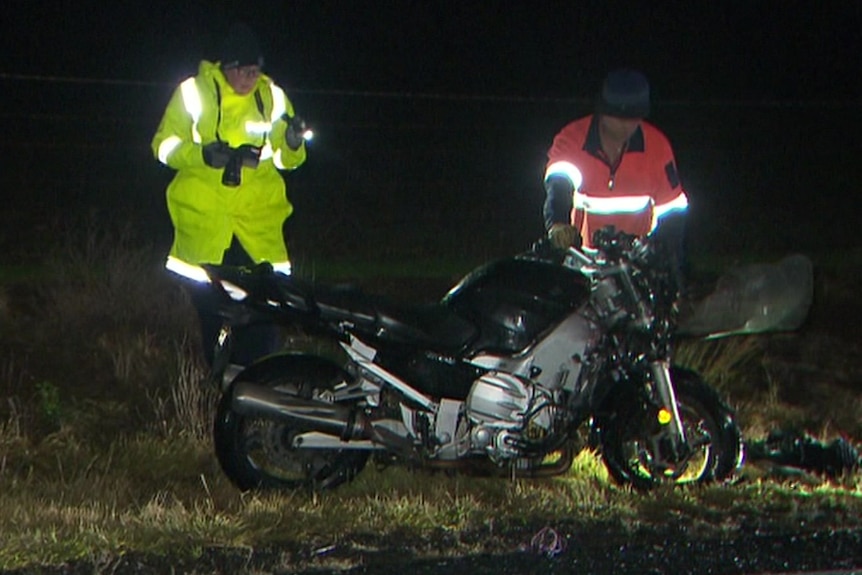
<point>548,542</point>
<point>790,448</point>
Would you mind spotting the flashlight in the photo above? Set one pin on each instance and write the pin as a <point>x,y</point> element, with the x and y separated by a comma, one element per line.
<point>297,124</point>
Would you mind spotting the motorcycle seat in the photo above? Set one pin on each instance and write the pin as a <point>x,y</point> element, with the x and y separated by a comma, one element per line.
<point>433,326</point>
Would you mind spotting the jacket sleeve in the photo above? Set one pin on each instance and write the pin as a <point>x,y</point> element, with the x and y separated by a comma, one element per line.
<point>669,194</point>
<point>558,201</point>
<point>173,143</point>
<point>671,206</point>
<point>284,157</point>
<point>562,178</point>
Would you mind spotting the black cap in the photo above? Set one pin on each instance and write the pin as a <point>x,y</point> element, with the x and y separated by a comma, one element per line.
<point>240,48</point>
<point>625,94</point>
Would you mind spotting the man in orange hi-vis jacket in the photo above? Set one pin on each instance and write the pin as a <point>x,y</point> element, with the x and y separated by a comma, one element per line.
<point>613,168</point>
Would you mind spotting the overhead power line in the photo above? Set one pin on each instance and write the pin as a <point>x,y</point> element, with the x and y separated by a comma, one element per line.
<point>407,95</point>
<point>78,80</point>
<point>452,96</point>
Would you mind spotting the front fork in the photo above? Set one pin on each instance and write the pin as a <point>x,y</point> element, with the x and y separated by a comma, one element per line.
<point>661,376</point>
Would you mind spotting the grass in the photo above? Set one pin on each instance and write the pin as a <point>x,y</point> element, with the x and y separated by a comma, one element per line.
<point>104,438</point>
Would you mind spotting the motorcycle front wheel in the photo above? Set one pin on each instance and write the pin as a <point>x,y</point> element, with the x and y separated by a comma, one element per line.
<point>258,453</point>
<point>634,455</point>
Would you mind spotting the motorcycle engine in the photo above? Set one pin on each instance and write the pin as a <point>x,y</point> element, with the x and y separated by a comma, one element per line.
<point>506,412</point>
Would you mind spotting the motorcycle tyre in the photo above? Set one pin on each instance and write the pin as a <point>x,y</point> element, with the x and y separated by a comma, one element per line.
<point>693,395</point>
<point>306,374</point>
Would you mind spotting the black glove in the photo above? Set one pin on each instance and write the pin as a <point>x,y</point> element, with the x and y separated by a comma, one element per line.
<point>249,156</point>
<point>216,155</point>
<point>295,129</point>
<point>558,201</point>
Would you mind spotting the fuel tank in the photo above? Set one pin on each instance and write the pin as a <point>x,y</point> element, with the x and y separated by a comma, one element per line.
<point>515,299</point>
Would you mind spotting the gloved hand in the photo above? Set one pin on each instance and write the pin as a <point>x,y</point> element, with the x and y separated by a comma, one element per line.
<point>216,155</point>
<point>249,155</point>
<point>295,129</point>
<point>564,236</point>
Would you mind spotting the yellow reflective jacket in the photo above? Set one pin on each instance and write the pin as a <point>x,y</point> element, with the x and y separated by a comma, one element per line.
<point>205,213</point>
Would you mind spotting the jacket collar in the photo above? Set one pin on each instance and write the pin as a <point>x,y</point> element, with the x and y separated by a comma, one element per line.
<point>593,143</point>
<point>213,72</point>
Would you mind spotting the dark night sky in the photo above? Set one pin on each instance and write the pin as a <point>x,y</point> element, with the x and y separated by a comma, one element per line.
<point>761,100</point>
<point>536,48</point>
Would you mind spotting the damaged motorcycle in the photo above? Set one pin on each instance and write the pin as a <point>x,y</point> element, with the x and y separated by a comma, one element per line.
<point>522,364</point>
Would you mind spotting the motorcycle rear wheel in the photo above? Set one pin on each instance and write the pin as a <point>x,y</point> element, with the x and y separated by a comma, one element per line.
<point>710,427</point>
<point>257,453</point>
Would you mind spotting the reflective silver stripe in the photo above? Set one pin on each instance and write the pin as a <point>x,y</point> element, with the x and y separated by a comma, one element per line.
<point>167,146</point>
<point>193,105</point>
<point>257,128</point>
<point>566,169</point>
<point>277,161</point>
<point>199,274</point>
<point>678,204</point>
<point>279,102</point>
<point>187,270</point>
<point>266,151</point>
<point>608,206</point>
<point>263,128</point>
<point>279,108</point>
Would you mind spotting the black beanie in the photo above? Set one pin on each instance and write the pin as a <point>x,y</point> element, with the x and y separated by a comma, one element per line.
<point>240,48</point>
<point>625,94</point>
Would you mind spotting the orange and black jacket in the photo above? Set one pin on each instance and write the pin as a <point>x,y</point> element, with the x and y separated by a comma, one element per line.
<point>635,195</point>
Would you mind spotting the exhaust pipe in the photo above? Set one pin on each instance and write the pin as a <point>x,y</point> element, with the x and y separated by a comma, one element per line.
<point>251,399</point>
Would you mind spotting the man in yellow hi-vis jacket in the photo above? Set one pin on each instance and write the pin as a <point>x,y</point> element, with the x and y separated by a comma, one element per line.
<point>227,132</point>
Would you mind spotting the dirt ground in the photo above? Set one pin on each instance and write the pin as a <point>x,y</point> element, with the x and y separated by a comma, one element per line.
<point>645,553</point>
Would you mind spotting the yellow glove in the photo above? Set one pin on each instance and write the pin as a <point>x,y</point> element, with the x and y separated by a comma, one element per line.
<point>564,236</point>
